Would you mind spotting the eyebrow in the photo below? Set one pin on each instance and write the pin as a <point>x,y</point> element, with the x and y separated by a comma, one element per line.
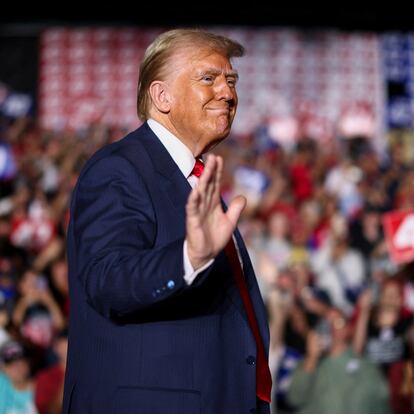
<point>216,72</point>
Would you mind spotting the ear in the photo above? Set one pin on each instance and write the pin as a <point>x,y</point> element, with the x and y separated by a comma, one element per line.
<point>160,96</point>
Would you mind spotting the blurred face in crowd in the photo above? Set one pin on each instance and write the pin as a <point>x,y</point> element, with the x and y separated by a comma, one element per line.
<point>302,275</point>
<point>340,331</point>
<point>28,283</point>
<point>278,225</point>
<point>60,276</point>
<point>310,214</point>
<point>198,97</point>
<point>339,228</point>
<point>391,295</point>
<point>17,370</point>
<point>53,149</point>
<point>286,281</point>
<point>5,228</point>
<point>371,221</point>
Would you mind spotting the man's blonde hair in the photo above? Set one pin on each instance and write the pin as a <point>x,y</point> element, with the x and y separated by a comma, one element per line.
<point>159,52</point>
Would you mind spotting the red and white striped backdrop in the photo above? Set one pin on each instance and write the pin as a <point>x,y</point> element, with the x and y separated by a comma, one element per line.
<point>306,83</point>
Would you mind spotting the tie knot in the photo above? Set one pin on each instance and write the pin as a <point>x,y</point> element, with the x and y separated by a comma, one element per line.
<point>198,167</point>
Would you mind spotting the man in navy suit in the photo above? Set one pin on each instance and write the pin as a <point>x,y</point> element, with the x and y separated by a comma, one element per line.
<point>166,315</point>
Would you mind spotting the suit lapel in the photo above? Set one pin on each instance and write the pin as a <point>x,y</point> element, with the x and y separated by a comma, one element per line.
<point>173,182</point>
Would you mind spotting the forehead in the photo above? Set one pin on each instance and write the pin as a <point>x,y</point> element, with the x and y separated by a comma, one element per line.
<point>193,59</point>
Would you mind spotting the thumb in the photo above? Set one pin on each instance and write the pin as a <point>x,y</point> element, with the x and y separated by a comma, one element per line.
<point>235,209</point>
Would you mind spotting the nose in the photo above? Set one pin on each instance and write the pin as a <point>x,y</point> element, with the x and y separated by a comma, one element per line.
<point>224,91</point>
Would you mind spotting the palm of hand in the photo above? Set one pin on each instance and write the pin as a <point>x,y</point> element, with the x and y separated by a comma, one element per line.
<point>209,228</point>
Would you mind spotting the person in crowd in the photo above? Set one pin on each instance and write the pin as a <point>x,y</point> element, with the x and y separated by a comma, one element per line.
<point>36,312</point>
<point>16,384</point>
<point>401,380</point>
<point>333,379</point>
<point>381,327</point>
<point>339,269</point>
<point>49,381</point>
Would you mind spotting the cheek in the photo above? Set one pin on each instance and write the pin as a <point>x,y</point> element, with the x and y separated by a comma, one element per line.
<point>222,123</point>
<point>225,124</point>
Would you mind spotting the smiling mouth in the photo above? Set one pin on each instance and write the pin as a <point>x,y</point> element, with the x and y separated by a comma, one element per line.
<point>220,111</point>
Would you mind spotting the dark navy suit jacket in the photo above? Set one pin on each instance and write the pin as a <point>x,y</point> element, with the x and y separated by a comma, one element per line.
<point>141,340</point>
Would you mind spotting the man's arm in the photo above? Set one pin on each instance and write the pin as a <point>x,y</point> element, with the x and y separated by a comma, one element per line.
<point>361,326</point>
<point>115,228</point>
<point>304,376</point>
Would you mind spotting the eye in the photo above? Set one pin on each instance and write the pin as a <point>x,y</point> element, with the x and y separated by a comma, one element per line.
<point>207,78</point>
<point>231,82</point>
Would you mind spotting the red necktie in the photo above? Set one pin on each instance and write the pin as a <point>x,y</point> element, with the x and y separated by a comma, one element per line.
<point>263,376</point>
<point>198,167</point>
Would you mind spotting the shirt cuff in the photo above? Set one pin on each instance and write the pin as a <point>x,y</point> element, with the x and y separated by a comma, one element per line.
<point>189,273</point>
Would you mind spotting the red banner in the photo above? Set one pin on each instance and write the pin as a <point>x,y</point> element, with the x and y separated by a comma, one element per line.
<point>399,233</point>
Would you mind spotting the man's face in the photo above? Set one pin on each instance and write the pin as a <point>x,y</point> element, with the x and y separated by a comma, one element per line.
<point>339,328</point>
<point>201,86</point>
<point>391,296</point>
<point>18,370</point>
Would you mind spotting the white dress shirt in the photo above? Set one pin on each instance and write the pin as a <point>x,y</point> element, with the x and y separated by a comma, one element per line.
<point>185,161</point>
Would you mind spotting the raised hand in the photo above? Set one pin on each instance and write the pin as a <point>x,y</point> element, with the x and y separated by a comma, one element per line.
<point>365,300</point>
<point>209,228</point>
<point>314,349</point>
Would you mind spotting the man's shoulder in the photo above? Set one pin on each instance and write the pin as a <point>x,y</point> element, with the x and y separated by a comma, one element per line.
<point>128,148</point>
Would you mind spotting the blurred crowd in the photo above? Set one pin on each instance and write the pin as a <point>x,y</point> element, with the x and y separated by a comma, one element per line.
<point>340,310</point>
<point>38,170</point>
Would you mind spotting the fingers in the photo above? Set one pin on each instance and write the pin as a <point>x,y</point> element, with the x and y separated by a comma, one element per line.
<point>214,186</point>
<point>217,181</point>
<point>208,174</point>
<point>235,209</point>
<point>193,203</point>
<point>209,183</point>
<point>206,195</point>
<point>314,344</point>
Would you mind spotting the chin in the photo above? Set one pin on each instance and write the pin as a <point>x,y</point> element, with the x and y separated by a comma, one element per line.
<point>223,130</point>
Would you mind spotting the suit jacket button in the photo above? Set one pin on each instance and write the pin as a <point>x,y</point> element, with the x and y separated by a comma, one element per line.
<point>251,360</point>
<point>171,284</point>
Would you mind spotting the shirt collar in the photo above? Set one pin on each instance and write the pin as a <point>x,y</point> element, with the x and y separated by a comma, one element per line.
<point>179,152</point>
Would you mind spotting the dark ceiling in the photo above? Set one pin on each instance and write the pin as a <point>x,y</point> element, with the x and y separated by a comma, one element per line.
<point>20,25</point>
<point>346,16</point>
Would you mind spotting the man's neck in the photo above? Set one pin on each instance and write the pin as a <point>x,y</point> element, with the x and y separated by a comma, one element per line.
<point>191,145</point>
